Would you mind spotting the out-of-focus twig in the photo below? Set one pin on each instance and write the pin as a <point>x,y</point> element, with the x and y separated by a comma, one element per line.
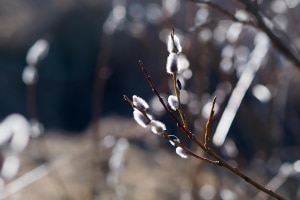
<point>223,11</point>
<point>238,93</point>
<point>37,52</point>
<point>33,176</point>
<point>285,171</point>
<point>100,77</point>
<point>252,8</point>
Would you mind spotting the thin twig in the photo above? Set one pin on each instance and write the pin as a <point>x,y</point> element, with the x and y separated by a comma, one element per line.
<point>148,78</point>
<point>212,112</point>
<point>176,90</point>
<point>177,93</point>
<point>236,171</point>
<point>172,37</point>
<point>166,136</point>
<point>126,98</point>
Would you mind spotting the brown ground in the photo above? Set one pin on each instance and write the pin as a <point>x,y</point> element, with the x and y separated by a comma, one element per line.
<point>150,171</point>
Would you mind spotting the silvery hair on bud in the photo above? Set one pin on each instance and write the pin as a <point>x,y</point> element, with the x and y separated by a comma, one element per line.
<point>181,152</point>
<point>157,127</point>
<point>174,45</point>
<point>173,102</point>
<point>37,52</point>
<point>141,119</point>
<point>172,63</point>
<point>140,103</point>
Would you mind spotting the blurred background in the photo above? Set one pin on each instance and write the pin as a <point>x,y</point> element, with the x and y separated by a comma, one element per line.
<point>67,133</point>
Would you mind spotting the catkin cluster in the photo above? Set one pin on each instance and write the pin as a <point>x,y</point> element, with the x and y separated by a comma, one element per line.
<point>141,107</point>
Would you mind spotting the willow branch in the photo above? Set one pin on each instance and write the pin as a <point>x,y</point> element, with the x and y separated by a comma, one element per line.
<point>170,139</point>
<point>177,93</point>
<point>179,124</point>
<point>221,161</point>
<point>188,151</point>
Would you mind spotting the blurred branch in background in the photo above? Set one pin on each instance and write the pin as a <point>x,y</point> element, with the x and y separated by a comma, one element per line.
<point>36,54</point>
<point>32,176</point>
<point>256,58</point>
<point>101,75</point>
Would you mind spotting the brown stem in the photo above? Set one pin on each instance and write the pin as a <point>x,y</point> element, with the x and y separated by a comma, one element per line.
<point>126,98</point>
<point>236,171</point>
<point>212,111</point>
<point>148,78</point>
<point>166,136</point>
<point>177,93</point>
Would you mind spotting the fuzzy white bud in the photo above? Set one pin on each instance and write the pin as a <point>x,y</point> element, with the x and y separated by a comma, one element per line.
<point>174,138</point>
<point>181,152</point>
<point>174,45</point>
<point>157,127</point>
<point>37,52</point>
<point>140,103</point>
<point>10,167</point>
<point>37,128</point>
<point>30,75</point>
<point>173,102</point>
<point>172,63</point>
<point>141,119</point>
